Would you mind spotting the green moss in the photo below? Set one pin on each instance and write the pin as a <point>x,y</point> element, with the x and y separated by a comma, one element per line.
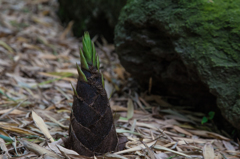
<point>204,33</point>
<point>217,23</point>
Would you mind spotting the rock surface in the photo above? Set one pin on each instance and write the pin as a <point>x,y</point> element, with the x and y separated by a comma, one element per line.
<point>96,17</point>
<point>191,49</point>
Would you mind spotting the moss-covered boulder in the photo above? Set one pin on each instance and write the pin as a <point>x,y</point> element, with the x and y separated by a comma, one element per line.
<point>96,17</point>
<point>190,48</point>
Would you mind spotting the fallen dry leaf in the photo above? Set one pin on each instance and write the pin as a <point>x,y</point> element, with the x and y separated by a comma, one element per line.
<point>42,126</point>
<point>208,152</point>
<point>14,112</point>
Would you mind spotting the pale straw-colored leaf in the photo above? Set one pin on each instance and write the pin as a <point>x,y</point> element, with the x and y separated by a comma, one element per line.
<point>42,126</point>
<point>208,152</point>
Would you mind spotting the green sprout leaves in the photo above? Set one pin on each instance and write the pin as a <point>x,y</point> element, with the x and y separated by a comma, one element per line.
<point>83,60</point>
<point>87,47</point>
<point>89,58</point>
<point>209,117</point>
<point>81,74</point>
<point>88,55</point>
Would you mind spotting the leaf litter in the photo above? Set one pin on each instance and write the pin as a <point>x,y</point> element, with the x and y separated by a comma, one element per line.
<point>37,64</point>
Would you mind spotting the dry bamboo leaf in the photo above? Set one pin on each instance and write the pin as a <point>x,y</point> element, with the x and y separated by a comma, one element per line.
<point>48,56</point>
<point>133,125</point>
<point>151,154</point>
<point>228,145</point>
<point>120,72</point>
<point>6,126</point>
<point>65,78</point>
<point>3,146</point>
<point>109,155</point>
<point>41,21</point>
<point>161,156</point>
<point>136,148</point>
<point>2,132</point>
<point>127,131</point>
<point>158,147</point>
<point>11,110</point>
<point>130,108</point>
<point>6,46</point>
<point>31,155</point>
<point>177,128</point>
<point>30,46</point>
<point>147,125</point>
<point>3,157</point>
<point>176,115</point>
<point>14,112</point>
<point>109,89</point>
<point>159,100</point>
<point>59,149</point>
<point>5,62</point>
<point>67,151</point>
<point>219,145</point>
<point>234,152</point>
<point>67,30</point>
<point>42,126</point>
<point>208,152</point>
<point>22,39</point>
<point>57,122</point>
<point>208,134</point>
<point>38,149</point>
<point>117,108</point>
<point>218,156</point>
<point>107,76</point>
<point>74,71</point>
<point>199,141</point>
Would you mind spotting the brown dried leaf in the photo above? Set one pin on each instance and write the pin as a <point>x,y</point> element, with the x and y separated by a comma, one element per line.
<point>182,130</point>
<point>14,112</point>
<point>67,30</point>
<point>6,126</point>
<point>119,70</point>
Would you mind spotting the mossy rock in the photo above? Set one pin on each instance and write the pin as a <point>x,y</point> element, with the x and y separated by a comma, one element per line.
<point>191,49</point>
<point>96,17</point>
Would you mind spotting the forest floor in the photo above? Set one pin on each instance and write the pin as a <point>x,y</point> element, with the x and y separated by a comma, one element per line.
<point>37,64</point>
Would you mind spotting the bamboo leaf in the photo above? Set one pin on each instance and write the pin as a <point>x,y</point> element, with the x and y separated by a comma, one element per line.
<point>6,46</point>
<point>6,126</point>
<point>130,109</point>
<point>39,150</point>
<point>42,126</point>
<point>6,138</point>
<point>127,131</point>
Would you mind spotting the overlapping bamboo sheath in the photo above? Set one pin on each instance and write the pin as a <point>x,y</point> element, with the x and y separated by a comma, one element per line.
<point>92,129</point>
